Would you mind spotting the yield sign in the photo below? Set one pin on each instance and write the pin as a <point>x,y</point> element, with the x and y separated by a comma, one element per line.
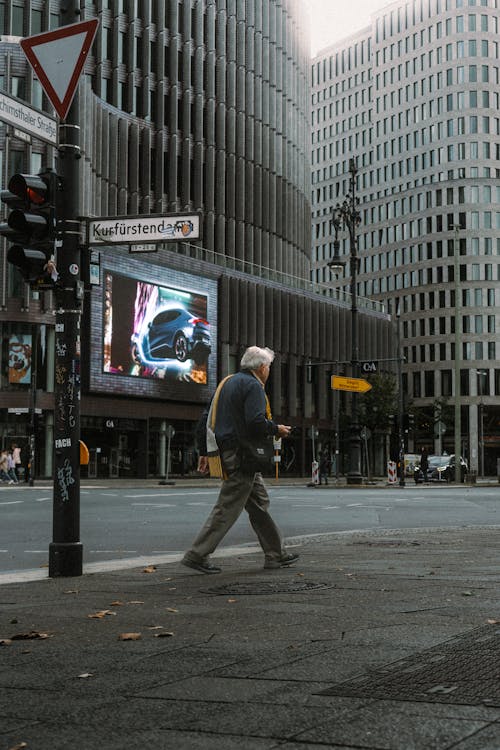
<point>58,57</point>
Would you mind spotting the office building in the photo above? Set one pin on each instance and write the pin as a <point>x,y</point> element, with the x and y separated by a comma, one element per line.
<point>414,98</point>
<point>186,107</point>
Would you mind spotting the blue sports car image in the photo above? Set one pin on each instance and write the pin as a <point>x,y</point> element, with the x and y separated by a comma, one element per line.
<point>172,332</point>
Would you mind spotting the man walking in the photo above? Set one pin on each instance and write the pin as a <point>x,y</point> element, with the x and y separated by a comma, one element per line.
<point>242,414</point>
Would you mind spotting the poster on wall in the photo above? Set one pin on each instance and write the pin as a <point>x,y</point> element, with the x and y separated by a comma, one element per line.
<point>152,331</point>
<point>20,348</point>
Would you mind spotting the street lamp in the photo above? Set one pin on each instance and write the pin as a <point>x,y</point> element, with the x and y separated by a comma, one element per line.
<point>346,214</point>
<point>481,374</point>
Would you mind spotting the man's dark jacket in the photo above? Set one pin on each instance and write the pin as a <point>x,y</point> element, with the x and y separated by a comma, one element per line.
<point>241,414</point>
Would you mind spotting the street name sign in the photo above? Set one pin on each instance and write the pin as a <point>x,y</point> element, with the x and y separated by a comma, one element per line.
<point>15,112</point>
<point>143,230</point>
<point>57,58</point>
<point>355,385</point>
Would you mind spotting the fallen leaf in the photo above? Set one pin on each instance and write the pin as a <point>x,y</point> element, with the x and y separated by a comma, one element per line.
<point>129,637</point>
<point>19,746</point>
<point>14,621</point>
<point>171,609</point>
<point>85,675</point>
<point>467,593</point>
<point>490,622</point>
<point>165,634</point>
<point>117,604</point>
<point>136,602</point>
<point>301,574</point>
<point>72,591</point>
<point>231,601</point>
<point>5,641</point>
<point>149,569</point>
<point>100,615</point>
<point>31,636</point>
<point>155,627</point>
<point>44,565</point>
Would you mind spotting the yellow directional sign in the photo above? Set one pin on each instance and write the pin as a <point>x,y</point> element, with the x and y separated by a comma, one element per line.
<point>357,385</point>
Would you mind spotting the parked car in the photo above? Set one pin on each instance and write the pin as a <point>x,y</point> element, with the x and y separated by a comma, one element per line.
<point>172,332</point>
<point>441,469</point>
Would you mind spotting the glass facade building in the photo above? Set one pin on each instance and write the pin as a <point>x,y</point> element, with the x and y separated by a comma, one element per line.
<point>414,98</point>
<point>185,106</point>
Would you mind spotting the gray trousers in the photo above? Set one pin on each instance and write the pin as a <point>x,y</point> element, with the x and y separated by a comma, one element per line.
<point>238,492</point>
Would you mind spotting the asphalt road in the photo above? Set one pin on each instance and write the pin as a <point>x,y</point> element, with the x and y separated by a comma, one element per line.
<point>122,523</point>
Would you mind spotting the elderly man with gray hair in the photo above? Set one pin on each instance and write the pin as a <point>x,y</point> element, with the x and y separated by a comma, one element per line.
<point>242,414</point>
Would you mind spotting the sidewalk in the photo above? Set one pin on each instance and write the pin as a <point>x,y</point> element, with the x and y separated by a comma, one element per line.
<point>378,641</point>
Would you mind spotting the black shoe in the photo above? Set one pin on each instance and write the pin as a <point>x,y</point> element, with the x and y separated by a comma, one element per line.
<point>203,566</point>
<point>283,562</point>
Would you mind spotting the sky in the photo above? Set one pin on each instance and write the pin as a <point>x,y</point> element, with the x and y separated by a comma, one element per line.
<point>332,20</point>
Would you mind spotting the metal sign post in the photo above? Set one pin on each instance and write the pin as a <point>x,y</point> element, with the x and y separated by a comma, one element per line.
<point>66,550</point>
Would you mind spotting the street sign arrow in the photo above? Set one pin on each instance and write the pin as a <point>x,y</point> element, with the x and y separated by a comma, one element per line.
<point>356,385</point>
<point>58,57</point>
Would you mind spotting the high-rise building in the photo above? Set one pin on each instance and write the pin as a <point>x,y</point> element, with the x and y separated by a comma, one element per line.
<point>185,106</point>
<point>414,98</point>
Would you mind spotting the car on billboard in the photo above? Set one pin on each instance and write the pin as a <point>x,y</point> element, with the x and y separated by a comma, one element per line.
<point>172,332</point>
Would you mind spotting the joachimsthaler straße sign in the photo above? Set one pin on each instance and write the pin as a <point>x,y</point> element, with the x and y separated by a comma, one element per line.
<point>126,230</point>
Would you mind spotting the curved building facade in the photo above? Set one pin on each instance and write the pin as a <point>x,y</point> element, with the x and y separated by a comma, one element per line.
<point>190,106</point>
<point>414,99</point>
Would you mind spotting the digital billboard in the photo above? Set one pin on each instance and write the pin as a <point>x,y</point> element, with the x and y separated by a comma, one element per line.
<point>153,331</point>
<point>157,334</point>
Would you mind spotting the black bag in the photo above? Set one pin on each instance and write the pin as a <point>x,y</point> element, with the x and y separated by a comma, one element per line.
<point>256,456</point>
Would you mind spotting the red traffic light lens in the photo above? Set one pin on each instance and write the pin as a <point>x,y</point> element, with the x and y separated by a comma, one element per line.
<point>29,188</point>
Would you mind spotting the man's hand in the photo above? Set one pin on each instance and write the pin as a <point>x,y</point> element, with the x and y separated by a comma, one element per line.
<point>284,430</point>
<point>203,465</point>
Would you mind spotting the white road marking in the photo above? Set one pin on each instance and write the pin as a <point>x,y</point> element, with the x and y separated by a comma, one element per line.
<point>170,494</point>
<point>155,505</point>
<point>42,499</point>
<point>12,502</point>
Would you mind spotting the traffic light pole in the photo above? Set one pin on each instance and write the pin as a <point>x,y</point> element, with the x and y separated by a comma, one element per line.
<point>66,550</point>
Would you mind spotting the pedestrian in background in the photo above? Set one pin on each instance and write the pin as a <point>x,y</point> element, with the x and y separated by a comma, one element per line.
<point>11,468</point>
<point>324,467</point>
<point>16,455</point>
<point>242,415</point>
<point>4,468</point>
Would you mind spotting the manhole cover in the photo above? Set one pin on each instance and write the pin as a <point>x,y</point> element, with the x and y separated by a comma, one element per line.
<point>267,587</point>
<point>463,670</point>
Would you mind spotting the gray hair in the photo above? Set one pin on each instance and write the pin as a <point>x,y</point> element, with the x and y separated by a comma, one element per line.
<point>254,357</point>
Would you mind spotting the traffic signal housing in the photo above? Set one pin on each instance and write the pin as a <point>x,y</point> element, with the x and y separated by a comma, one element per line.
<point>31,226</point>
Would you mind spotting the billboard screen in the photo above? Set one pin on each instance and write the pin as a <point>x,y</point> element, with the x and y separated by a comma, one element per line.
<point>154,331</point>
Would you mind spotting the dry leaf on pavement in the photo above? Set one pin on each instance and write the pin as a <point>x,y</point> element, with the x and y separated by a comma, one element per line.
<point>165,634</point>
<point>129,637</point>
<point>117,604</point>
<point>5,641</point>
<point>19,746</point>
<point>493,622</point>
<point>149,569</point>
<point>100,615</point>
<point>85,675</point>
<point>31,636</point>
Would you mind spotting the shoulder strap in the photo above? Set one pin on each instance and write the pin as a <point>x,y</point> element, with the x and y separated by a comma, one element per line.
<point>215,400</point>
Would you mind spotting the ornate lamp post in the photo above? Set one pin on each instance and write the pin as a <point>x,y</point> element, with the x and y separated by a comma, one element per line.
<point>346,214</point>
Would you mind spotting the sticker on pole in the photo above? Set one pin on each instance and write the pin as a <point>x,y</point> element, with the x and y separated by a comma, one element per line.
<point>57,58</point>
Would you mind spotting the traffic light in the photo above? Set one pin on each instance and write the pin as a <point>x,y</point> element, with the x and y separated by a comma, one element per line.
<point>31,226</point>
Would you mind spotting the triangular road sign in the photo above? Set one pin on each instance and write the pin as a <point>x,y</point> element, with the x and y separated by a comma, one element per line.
<point>58,57</point>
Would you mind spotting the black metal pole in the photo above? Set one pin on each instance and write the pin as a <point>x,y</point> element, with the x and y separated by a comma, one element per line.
<point>352,219</point>
<point>401,434</point>
<point>66,551</point>
<point>34,378</point>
